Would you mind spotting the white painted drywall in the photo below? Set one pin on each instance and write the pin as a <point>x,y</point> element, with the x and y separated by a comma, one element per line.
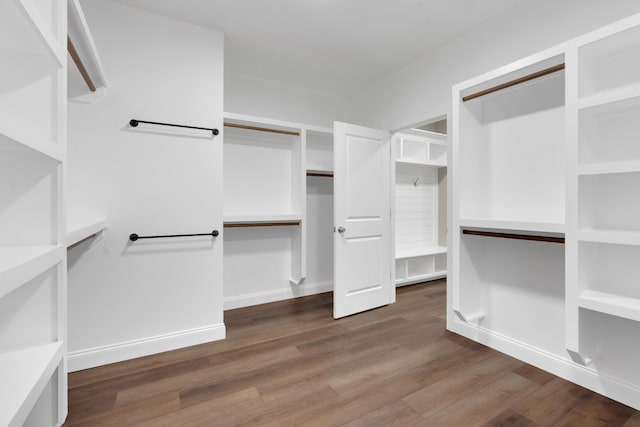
<point>260,97</point>
<point>422,89</point>
<point>127,299</point>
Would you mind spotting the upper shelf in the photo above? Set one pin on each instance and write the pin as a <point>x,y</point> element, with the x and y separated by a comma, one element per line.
<point>261,220</point>
<point>82,41</point>
<point>610,96</point>
<point>514,226</point>
<point>79,228</point>
<point>26,23</point>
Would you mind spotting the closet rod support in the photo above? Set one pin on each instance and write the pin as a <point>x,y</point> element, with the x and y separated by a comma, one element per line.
<point>134,123</point>
<point>133,236</point>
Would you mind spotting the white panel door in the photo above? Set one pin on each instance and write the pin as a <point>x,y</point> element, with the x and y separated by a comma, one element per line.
<point>362,205</point>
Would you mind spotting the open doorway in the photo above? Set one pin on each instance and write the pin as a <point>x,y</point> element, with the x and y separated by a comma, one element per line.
<point>420,202</point>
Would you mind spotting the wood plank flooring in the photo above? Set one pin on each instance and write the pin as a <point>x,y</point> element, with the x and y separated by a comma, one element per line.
<point>290,364</point>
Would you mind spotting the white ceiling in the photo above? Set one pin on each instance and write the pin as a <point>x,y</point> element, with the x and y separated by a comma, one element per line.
<point>337,46</point>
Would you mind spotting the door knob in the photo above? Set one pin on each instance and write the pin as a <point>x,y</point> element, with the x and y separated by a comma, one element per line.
<point>341,229</point>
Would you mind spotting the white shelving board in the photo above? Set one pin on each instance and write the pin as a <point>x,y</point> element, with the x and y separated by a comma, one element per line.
<point>615,305</point>
<point>419,163</point>
<point>608,168</point>
<point>413,253</point>
<point>79,228</point>
<point>246,219</point>
<point>24,373</point>
<point>20,264</point>
<point>610,236</point>
<point>609,97</point>
<point>513,226</point>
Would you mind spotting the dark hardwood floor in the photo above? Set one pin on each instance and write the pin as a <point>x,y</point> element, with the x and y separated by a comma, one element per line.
<point>290,364</point>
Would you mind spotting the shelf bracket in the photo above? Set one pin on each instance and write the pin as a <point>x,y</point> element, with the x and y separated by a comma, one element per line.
<point>578,358</point>
<point>473,318</point>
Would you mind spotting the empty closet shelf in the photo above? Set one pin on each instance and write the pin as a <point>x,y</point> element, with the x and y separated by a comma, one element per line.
<point>262,221</point>
<point>79,228</point>
<point>412,253</point>
<point>615,305</point>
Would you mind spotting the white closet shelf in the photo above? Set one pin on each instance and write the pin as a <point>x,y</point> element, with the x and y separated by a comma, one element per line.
<point>79,228</point>
<point>319,169</point>
<point>261,219</point>
<point>24,374</point>
<point>18,265</point>
<point>421,278</point>
<point>615,305</point>
<point>82,39</point>
<point>610,236</point>
<point>515,226</point>
<point>413,253</point>
<point>31,33</point>
<point>12,138</point>
<point>607,168</point>
<point>611,96</point>
<point>406,161</point>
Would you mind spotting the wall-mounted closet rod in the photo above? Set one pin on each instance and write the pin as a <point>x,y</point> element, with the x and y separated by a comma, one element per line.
<point>327,174</point>
<point>133,236</point>
<point>261,224</point>
<point>83,70</point>
<point>135,123</point>
<point>526,78</point>
<point>283,132</point>
<point>514,236</point>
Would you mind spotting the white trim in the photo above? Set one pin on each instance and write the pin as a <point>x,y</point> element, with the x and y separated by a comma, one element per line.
<point>256,298</point>
<point>584,376</point>
<point>98,356</point>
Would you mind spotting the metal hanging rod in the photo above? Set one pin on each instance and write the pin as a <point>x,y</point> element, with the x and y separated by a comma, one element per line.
<point>283,132</point>
<point>325,174</point>
<point>83,70</point>
<point>514,236</point>
<point>523,79</point>
<point>133,236</point>
<point>135,123</point>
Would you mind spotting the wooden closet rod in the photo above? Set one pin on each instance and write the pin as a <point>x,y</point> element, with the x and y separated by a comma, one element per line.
<point>284,132</point>
<point>329,175</point>
<point>514,236</point>
<point>532,76</point>
<point>83,70</point>
<point>261,224</point>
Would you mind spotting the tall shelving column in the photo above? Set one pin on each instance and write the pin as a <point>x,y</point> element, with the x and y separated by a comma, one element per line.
<point>602,266</point>
<point>33,388</point>
<point>418,156</point>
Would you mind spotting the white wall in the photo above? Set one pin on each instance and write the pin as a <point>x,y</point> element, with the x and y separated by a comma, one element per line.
<point>128,299</point>
<point>260,97</point>
<point>422,89</point>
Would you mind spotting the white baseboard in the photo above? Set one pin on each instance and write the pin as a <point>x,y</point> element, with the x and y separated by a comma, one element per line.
<point>98,356</point>
<point>292,291</point>
<point>584,376</point>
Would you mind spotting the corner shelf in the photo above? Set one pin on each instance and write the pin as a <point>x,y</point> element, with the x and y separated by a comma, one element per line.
<point>25,373</point>
<point>79,228</point>
<point>615,305</point>
<point>18,265</point>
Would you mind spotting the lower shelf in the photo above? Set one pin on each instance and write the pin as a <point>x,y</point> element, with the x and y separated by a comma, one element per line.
<point>422,278</point>
<point>615,305</point>
<point>420,265</point>
<point>24,374</point>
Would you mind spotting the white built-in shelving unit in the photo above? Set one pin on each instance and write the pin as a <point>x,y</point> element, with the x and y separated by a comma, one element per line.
<point>419,255</point>
<point>264,184</point>
<point>545,232</point>
<point>33,385</point>
<point>603,252</point>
